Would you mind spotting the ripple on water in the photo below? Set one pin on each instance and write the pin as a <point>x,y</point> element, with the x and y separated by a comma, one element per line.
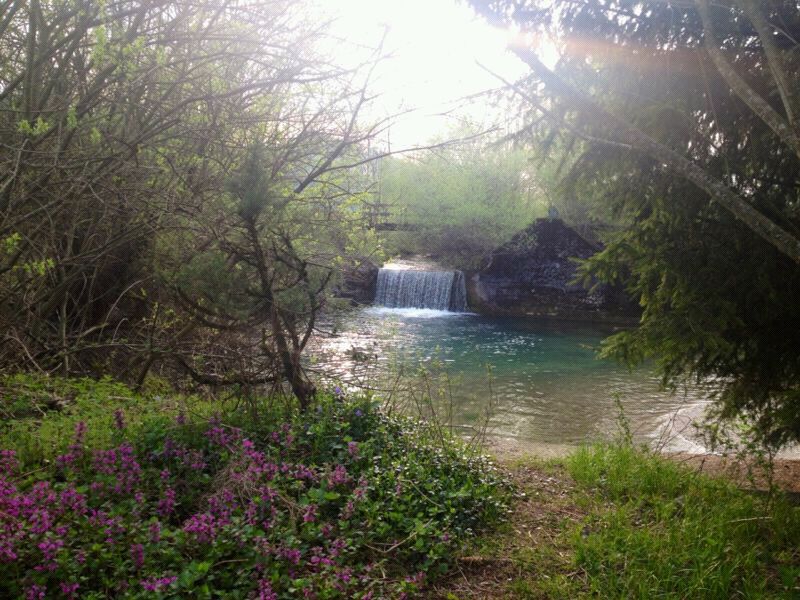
<point>545,382</point>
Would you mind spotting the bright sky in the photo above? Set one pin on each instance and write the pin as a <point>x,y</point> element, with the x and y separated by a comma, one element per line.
<point>434,46</point>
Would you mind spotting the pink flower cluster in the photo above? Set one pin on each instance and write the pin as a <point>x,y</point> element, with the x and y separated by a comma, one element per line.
<point>36,519</point>
<point>203,526</point>
<point>75,450</point>
<point>283,437</point>
<point>185,457</point>
<point>157,584</point>
<point>222,435</point>
<point>120,464</point>
<point>114,505</point>
<point>338,477</point>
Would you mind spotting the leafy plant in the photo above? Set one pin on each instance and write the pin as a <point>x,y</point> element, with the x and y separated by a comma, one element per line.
<point>337,502</point>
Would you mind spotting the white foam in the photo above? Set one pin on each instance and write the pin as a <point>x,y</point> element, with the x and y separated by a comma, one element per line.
<point>676,432</point>
<point>413,313</point>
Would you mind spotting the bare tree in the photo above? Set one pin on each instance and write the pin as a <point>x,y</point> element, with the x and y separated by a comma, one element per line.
<point>120,126</point>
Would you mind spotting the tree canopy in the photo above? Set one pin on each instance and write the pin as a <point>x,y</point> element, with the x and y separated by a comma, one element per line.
<point>461,201</point>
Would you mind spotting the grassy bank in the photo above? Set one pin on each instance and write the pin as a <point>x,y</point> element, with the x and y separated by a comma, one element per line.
<point>106,493</point>
<point>612,521</point>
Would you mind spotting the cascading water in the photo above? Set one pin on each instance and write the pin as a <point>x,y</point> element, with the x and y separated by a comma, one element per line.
<point>436,290</point>
<point>458,297</point>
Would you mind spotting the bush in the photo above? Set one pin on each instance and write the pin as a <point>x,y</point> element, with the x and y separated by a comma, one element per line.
<point>340,502</point>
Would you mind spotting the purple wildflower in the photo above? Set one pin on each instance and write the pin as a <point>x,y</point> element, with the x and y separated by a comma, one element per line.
<point>222,505</point>
<point>155,532</point>
<point>348,510</point>
<point>339,476</point>
<point>311,514</point>
<point>7,550</point>
<point>337,546</point>
<point>75,450</point>
<point>137,556</point>
<point>80,432</point>
<point>167,504</point>
<point>265,591</point>
<point>72,500</point>
<point>35,592</point>
<point>155,584</point>
<point>346,575</point>
<point>352,449</point>
<point>290,554</point>
<point>8,462</point>
<point>203,525</point>
<point>49,549</point>
<point>119,419</point>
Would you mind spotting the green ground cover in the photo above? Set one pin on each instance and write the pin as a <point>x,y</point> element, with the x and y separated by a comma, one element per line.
<point>106,493</point>
<point>614,521</point>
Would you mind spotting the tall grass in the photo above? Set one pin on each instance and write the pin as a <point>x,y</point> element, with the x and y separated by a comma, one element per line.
<point>659,530</point>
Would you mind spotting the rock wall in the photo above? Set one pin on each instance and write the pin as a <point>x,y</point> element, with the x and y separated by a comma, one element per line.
<point>359,283</point>
<point>532,275</point>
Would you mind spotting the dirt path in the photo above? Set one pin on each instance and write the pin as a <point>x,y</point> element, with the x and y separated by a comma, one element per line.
<point>517,560</point>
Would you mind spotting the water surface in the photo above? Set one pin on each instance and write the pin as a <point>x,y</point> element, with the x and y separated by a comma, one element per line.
<point>540,382</point>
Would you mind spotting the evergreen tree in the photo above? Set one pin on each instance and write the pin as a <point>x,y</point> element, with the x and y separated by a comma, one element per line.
<point>682,118</point>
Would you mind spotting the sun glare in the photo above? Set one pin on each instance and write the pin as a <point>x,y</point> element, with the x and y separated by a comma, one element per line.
<point>431,76</point>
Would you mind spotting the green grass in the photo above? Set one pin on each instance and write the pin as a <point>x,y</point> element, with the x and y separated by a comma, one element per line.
<point>657,529</point>
<point>642,526</point>
<point>618,522</point>
<point>341,501</point>
<point>38,414</point>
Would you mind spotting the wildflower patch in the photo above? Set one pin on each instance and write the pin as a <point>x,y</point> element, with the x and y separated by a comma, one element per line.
<point>341,502</point>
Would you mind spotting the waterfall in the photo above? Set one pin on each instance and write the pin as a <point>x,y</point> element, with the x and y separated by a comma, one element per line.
<point>437,290</point>
<point>458,297</point>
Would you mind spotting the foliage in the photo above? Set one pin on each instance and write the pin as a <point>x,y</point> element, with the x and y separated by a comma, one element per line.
<point>40,413</point>
<point>265,267</point>
<point>131,134</point>
<point>675,142</point>
<point>657,529</point>
<point>460,202</point>
<point>340,502</point>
